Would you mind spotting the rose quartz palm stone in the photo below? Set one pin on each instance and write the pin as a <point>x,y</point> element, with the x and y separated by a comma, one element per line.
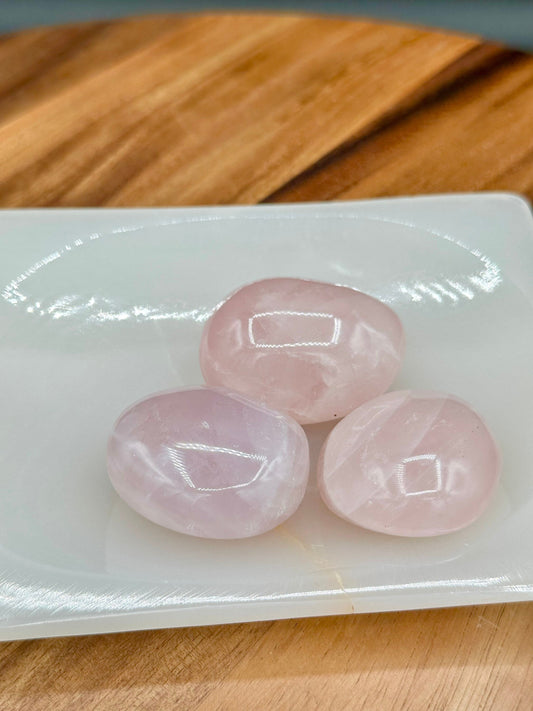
<point>312,350</point>
<point>209,463</point>
<point>409,464</point>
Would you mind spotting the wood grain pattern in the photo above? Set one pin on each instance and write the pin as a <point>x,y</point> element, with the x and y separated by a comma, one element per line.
<point>460,659</point>
<point>242,109</point>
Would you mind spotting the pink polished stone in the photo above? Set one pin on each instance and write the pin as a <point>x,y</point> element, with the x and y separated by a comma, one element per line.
<point>312,350</point>
<point>209,463</point>
<point>409,464</point>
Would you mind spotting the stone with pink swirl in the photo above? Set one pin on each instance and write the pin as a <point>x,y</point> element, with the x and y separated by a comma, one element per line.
<point>310,349</point>
<point>209,463</point>
<point>410,464</point>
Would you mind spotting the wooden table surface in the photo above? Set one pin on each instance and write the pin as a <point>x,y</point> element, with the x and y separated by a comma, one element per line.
<point>243,109</point>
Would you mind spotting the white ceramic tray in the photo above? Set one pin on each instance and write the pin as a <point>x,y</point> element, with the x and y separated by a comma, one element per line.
<point>102,307</point>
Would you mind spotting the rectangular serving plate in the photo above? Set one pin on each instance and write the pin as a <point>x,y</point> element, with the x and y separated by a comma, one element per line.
<point>102,307</point>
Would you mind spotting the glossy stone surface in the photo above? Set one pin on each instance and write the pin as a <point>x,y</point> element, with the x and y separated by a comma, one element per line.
<point>310,349</point>
<point>209,463</point>
<point>409,464</point>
